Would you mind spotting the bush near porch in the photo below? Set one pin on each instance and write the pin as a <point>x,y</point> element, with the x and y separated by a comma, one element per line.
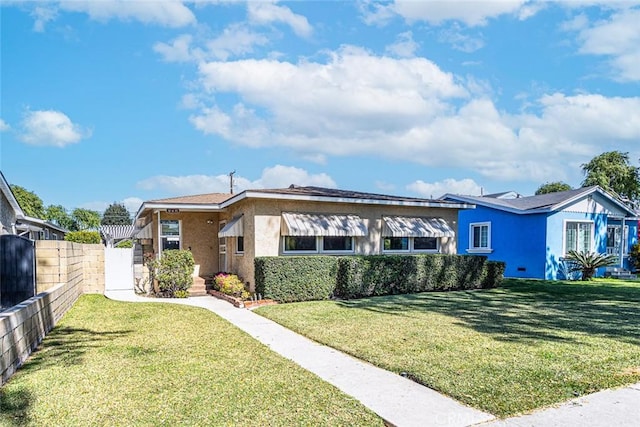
<point>308,278</point>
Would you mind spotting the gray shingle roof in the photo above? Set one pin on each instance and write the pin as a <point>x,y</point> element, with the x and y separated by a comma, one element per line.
<point>332,192</point>
<point>535,203</point>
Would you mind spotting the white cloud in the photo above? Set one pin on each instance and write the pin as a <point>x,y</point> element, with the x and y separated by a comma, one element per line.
<point>465,186</point>
<point>132,203</point>
<point>617,38</point>
<point>283,176</point>
<point>169,13</point>
<point>49,127</point>
<point>235,40</point>
<point>409,110</point>
<point>4,126</point>
<point>460,41</point>
<point>178,50</point>
<point>471,13</point>
<point>263,12</point>
<point>404,47</point>
<point>274,177</point>
<point>42,16</point>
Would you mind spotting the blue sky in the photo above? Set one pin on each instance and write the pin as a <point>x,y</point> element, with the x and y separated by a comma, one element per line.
<point>111,100</point>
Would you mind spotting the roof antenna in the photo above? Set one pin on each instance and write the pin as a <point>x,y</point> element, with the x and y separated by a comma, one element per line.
<point>231,181</point>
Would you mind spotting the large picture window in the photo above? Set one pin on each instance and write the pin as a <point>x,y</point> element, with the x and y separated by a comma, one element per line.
<point>410,244</point>
<point>480,237</point>
<point>317,244</point>
<point>578,236</point>
<point>170,234</point>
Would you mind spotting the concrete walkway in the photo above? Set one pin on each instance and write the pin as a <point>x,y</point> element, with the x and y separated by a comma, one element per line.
<point>397,400</point>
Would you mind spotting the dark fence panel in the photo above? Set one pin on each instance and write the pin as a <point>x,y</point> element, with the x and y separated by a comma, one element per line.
<point>17,269</point>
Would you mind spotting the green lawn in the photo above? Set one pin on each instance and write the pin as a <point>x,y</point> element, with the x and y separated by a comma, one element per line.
<point>526,345</point>
<point>113,363</point>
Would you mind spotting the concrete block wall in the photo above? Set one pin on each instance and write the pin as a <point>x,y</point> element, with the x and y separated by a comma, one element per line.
<point>66,262</point>
<point>23,326</point>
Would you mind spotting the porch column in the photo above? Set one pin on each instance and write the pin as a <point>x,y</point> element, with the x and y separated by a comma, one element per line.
<point>620,249</point>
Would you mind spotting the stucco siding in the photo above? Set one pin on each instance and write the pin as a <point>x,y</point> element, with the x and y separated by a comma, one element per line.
<point>199,234</point>
<point>7,215</point>
<point>262,224</point>
<point>515,239</point>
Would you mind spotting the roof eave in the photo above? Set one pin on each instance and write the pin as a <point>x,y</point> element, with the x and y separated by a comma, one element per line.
<point>330,199</point>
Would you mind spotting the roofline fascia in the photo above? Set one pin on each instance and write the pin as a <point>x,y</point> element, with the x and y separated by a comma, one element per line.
<point>188,207</point>
<point>599,190</point>
<point>279,196</point>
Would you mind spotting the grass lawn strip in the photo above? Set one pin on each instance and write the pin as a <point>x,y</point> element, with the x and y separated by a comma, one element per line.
<point>507,351</point>
<point>114,363</point>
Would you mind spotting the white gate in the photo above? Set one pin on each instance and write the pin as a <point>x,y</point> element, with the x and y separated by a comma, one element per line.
<point>118,269</point>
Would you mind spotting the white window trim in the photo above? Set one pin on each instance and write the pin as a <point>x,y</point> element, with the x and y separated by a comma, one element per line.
<point>179,233</point>
<point>564,233</point>
<point>479,250</point>
<point>411,249</point>
<point>319,249</point>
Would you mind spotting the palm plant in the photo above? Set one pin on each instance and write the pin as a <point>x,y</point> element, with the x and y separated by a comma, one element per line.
<point>588,262</point>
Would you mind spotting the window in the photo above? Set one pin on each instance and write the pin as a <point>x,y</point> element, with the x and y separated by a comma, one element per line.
<point>410,244</point>
<point>300,244</point>
<point>54,236</point>
<point>480,237</point>
<point>337,243</point>
<point>170,234</point>
<point>240,244</point>
<point>318,244</point>
<point>578,236</point>
<point>425,244</point>
<point>396,244</point>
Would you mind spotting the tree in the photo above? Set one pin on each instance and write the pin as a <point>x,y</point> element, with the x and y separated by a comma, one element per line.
<point>613,172</point>
<point>29,201</point>
<point>58,215</point>
<point>116,214</point>
<point>85,219</point>
<point>553,187</point>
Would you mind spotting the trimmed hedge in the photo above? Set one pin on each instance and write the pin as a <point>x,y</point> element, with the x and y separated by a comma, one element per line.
<point>301,278</point>
<point>83,236</point>
<point>305,278</point>
<point>364,276</point>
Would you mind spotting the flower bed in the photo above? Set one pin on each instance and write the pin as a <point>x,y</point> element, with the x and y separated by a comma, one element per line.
<point>238,302</point>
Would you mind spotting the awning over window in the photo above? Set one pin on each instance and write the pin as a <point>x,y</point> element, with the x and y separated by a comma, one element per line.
<point>145,232</point>
<point>233,228</point>
<point>303,224</point>
<point>401,226</point>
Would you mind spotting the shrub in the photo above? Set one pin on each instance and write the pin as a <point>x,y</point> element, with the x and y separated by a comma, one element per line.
<point>290,279</point>
<point>589,262</point>
<point>362,276</point>
<point>173,271</point>
<point>494,275</point>
<point>230,284</point>
<point>634,256</point>
<point>83,237</point>
<point>125,244</point>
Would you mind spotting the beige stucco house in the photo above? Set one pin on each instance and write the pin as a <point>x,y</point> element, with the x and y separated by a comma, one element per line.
<point>226,232</point>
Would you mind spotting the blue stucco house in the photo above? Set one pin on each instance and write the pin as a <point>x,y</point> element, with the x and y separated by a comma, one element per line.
<point>533,234</point>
